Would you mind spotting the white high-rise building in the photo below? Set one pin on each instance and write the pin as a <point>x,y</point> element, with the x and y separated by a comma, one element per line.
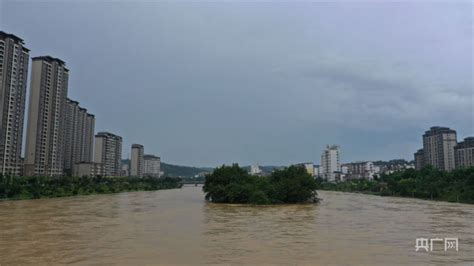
<point>46,117</point>
<point>108,152</point>
<point>79,135</point>
<point>438,148</point>
<point>255,170</point>
<point>330,163</point>
<point>152,165</point>
<point>14,60</point>
<point>136,163</point>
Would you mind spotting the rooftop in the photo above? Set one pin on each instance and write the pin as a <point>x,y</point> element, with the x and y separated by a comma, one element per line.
<point>9,35</point>
<point>15,38</point>
<point>104,134</point>
<point>466,143</point>
<point>436,130</point>
<point>49,58</point>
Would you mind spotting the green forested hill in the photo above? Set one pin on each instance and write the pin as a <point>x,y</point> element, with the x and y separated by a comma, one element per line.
<point>182,171</point>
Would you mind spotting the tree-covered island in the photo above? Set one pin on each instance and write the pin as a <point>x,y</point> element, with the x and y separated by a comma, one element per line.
<point>232,184</point>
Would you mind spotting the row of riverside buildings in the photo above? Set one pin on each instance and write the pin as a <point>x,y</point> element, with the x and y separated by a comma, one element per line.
<point>331,168</point>
<point>441,150</point>
<point>60,137</point>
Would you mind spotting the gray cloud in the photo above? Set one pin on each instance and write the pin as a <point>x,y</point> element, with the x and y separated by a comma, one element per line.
<point>207,83</point>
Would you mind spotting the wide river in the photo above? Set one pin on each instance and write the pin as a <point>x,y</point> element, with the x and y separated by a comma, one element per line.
<point>179,227</point>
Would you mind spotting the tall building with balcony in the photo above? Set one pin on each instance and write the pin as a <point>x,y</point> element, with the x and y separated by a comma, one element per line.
<point>136,162</point>
<point>14,60</point>
<point>108,152</point>
<point>464,153</point>
<point>88,142</point>
<point>330,163</point>
<point>46,117</point>
<point>438,148</point>
<point>79,135</point>
<point>152,165</point>
<point>72,110</point>
<point>419,159</point>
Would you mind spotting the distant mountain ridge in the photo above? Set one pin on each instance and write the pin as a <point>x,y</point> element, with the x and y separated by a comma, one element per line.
<point>174,170</point>
<point>183,171</point>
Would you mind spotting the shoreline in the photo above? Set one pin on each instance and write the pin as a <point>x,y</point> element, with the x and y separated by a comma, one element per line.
<point>85,195</point>
<point>378,194</point>
<point>24,188</point>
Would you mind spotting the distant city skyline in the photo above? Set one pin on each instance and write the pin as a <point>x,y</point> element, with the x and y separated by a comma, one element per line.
<point>204,84</point>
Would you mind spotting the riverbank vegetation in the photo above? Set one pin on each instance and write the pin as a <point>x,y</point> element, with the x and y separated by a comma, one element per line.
<point>50,187</point>
<point>428,183</point>
<point>232,184</point>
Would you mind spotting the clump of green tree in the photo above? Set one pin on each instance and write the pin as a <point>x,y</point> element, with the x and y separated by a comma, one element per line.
<point>232,184</point>
<point>428,183</point>
<point>49,187</point>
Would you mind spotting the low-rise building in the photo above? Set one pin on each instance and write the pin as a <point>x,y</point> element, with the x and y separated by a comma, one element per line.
<point>392,168</point>
<point>125,171</point>
<point>360,170</point>
<point>88,169</point>
<point>317,170</point>
<point>309,167</point>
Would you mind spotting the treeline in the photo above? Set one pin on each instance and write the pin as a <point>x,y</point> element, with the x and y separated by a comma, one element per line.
<point>49,187</point>
<point>232,184</point>
<point>392,162</point>
<point>428,183</point>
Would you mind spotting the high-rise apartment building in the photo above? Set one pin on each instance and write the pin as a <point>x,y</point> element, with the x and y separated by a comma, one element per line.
<point>108,152</point>
<point>330,163</point>
<point>419,159</point>
<point>152,165</point>
<point>136,163</point>
<point>79,135</point>
<point>14,60</point>
<point>88,142</point>
<point>438,148</point>
<point>46,117</point>
<point>464,153</point>
<point>72,110</point>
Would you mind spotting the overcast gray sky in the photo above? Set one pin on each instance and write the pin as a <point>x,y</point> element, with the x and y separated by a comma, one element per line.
<point>206,83</point>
